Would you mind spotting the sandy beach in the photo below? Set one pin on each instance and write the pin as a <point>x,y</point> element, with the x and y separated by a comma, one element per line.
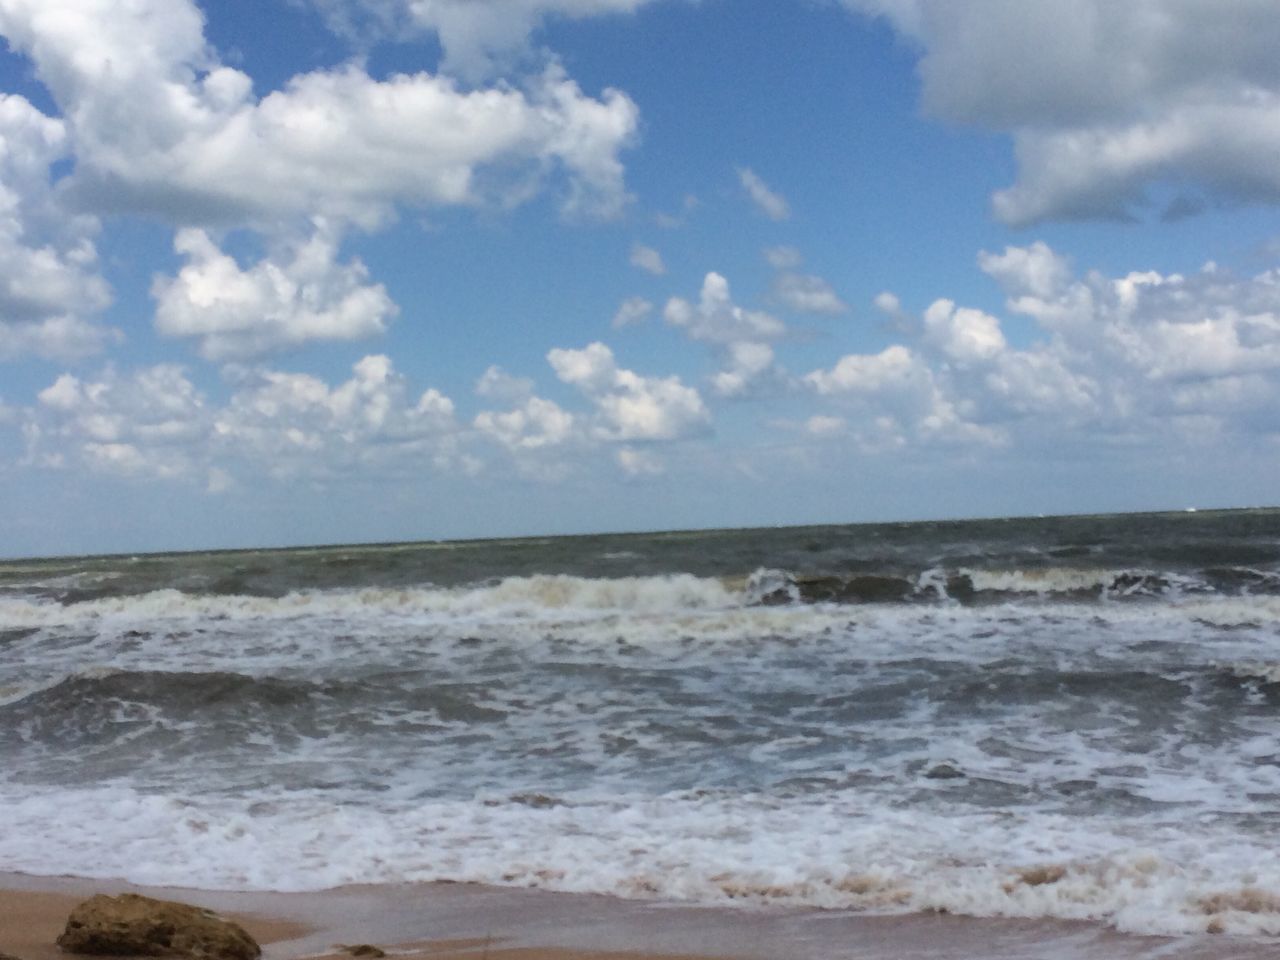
<point>453,921</point>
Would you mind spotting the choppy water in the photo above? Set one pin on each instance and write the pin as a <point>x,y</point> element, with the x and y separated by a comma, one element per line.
<point>1063,717</point>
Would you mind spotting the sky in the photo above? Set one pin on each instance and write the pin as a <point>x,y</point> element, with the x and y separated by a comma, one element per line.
<point>281,272</point>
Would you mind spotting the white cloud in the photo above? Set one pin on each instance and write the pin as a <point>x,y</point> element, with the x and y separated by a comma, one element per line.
<point>897,399</point>
<point>962,333</point>
<point>50,290</point>
<point>894,368</point>
<point>298,423</point>
<point>772,205</point>
<point>591,368</point>
<point>156,423</point>
<point>740,337</point>
<point>716,319</point>
<point>54,338</point>
<point>158,125</point>
<point>801,292</point>
<point>1105,99</point>
<point>547,442</point>
<point>149,424</point>
<point>630,407</point>
<point>748,363</point>
<point>496,384</point>
<point>237,313</point>
<point>632,311</point>
<point>478,36</point>
<point>1143,354</point>
<point>647,259</point>
<point>1148,326</point>
<point>1038,382</point>
<point>1035,269</point>
<point>888,303</point>
<point>534,425</point>
<point>807,293</point>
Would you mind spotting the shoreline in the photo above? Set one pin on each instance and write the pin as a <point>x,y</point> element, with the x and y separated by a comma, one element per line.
<point>445,921</point>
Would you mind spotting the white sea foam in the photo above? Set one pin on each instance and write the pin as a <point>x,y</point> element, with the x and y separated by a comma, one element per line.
<point>1075,580</point>
<point>513,596</point>
<point>1142,877</point>
<point>568,598</point>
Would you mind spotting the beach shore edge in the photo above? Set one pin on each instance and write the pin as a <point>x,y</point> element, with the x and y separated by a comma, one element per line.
<point>443,921</point>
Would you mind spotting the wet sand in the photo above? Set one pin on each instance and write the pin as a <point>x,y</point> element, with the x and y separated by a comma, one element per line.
<point>472,922</point>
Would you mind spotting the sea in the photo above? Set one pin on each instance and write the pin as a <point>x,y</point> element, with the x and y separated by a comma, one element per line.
<point>1065,717</point>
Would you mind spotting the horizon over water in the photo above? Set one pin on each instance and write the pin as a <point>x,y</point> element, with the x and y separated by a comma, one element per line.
<point>621,532</point>
<point>1060,717</point>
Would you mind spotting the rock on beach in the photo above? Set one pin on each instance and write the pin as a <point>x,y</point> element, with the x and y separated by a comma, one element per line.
<point>134,925</point>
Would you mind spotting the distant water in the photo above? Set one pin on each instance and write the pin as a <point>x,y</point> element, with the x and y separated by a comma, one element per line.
<point>1068,717</point>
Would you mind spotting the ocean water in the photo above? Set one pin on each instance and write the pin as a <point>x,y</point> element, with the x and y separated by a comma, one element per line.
<point>1063,717</point>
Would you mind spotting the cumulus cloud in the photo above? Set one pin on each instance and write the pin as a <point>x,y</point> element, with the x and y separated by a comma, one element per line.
<point>155,423</point>
<point>962,333</point>
<point>535,424</point>
<point>297,422</point>
<point>898,399</point>
<point>50,290</point>
<point>716,319</point>
<point>748,363</point>
<point>628,406</point>
<point>159,125</point>
<point>894,368</point>
<point>547,442</point>
<point>238,313</point>
<point>647,259</point>
<point>147,424</point>
<point>1206,325</point>
<point>1106,99</point>
<point>152,122</point>
<point>740,337</point>
<point>1143,353</point>
<point>771,204</point>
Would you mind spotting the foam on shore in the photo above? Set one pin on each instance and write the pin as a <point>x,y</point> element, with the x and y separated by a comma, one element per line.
<point>448,921</point>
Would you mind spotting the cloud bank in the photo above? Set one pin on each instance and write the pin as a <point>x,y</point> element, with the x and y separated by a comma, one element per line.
<point>1108,101</point>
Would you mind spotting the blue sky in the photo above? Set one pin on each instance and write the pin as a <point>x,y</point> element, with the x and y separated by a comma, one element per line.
<point>300,271</point>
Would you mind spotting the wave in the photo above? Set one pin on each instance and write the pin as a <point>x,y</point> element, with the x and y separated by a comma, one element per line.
<point>1265,672</point>
<point>509,597</point>
<point>567,596</point>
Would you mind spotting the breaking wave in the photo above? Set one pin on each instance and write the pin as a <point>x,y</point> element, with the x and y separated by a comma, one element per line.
<point>713,850</point>
<point>566,595</point>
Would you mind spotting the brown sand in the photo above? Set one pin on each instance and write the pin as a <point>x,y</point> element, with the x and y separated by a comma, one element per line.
<point>472,922</point>
<point>31,920</point>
